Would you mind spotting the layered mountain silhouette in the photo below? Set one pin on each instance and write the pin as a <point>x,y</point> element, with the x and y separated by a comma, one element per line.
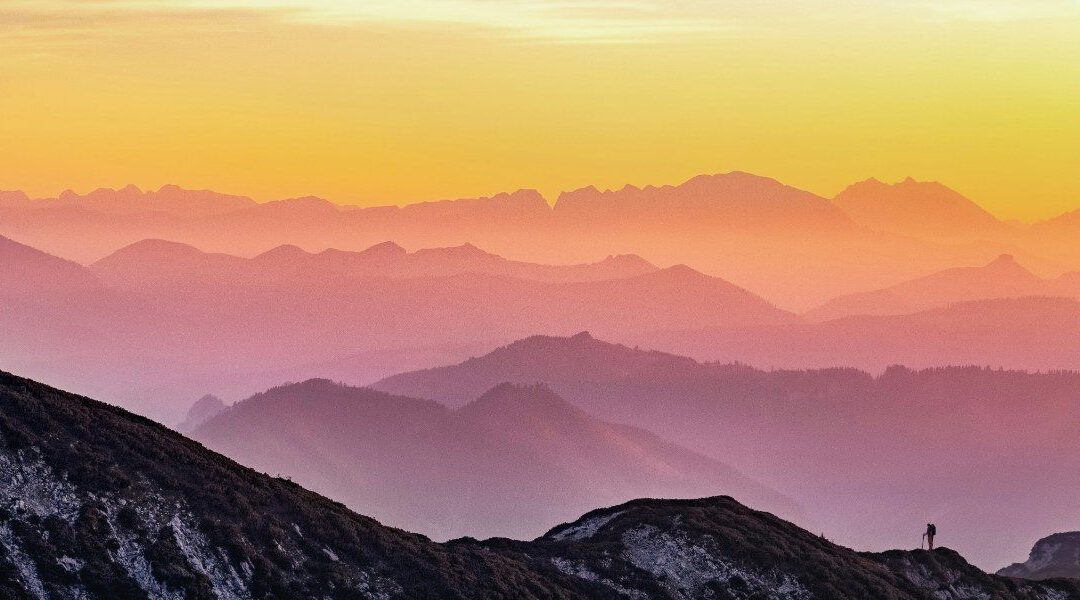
<point>179,322</point>
<point>509,463</point>
<point>1056,555</point>
<point>182,322</point>
<point>205,309</point>
<point>797,248</point>
<point>99,503</point>
<point>1002,278</point>
<point>895,449</point>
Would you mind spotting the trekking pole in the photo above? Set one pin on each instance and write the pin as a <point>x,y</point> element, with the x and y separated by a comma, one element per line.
<point>922,542</point>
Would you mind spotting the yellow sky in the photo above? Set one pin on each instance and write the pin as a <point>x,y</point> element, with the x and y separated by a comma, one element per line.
<point>401,100</point>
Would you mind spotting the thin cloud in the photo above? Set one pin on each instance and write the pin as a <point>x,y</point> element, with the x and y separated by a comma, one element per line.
<point>585,21</point>
<point>1000,11</point>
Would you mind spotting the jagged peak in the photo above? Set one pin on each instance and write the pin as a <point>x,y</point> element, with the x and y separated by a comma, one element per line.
<point>871,183</point>
<point>303,202</point>
<point>1003,260</point>
<point>627,259</point>
<point>680,270</point>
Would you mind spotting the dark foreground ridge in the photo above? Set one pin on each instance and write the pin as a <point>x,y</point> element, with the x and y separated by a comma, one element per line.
<point>98,503</point>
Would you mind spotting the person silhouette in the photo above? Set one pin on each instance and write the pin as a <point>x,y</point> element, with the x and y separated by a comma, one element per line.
<point>931,531</point>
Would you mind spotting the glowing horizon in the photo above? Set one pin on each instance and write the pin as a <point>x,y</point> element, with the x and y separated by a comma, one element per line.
<point>392,102</point>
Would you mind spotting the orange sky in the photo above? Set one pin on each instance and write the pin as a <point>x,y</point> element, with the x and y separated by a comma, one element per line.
<point>400,100</point>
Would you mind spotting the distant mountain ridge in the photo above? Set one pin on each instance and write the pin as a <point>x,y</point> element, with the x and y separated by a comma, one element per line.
<point>173,261</point>
<point>1004,277</point>
<point>726,200</point>
<point>99,504</point>
<point>188,322</point>
<point>753,230</point>
<point>917,208</point>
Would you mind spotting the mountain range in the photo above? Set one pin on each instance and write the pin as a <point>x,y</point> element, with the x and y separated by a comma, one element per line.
<point>180,322</point>
<point>99,503</point>
<point>902,447</point>
<point>797,248</point>
<point>509,463</point>
<point>179,319</point>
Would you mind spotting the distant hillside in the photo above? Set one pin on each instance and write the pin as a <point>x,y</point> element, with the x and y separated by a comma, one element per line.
<point>895,448</point>
<point>1002,278</point>
<point>509,463</point>
<point>96,503</point>
<point>31,275</point>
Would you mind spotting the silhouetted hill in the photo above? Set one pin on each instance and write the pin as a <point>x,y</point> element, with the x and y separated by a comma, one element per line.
<point>580,358</point>
<point>1002,278</point>
<point>1056,555</point>
<point>97,503</point>
<point>32,275</point>
<point>509,463</point>
<point>917,208</point>
<point>204,408</point>
<point>161,263</point>
<point>894,448</point>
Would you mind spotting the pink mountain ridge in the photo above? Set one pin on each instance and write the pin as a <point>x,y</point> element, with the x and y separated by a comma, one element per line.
<point>770,230</point>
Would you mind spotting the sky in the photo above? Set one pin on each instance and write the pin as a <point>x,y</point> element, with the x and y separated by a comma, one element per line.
<point>394,101</point>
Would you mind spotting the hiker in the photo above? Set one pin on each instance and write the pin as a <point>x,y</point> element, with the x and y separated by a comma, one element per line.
<point>931,531</point>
